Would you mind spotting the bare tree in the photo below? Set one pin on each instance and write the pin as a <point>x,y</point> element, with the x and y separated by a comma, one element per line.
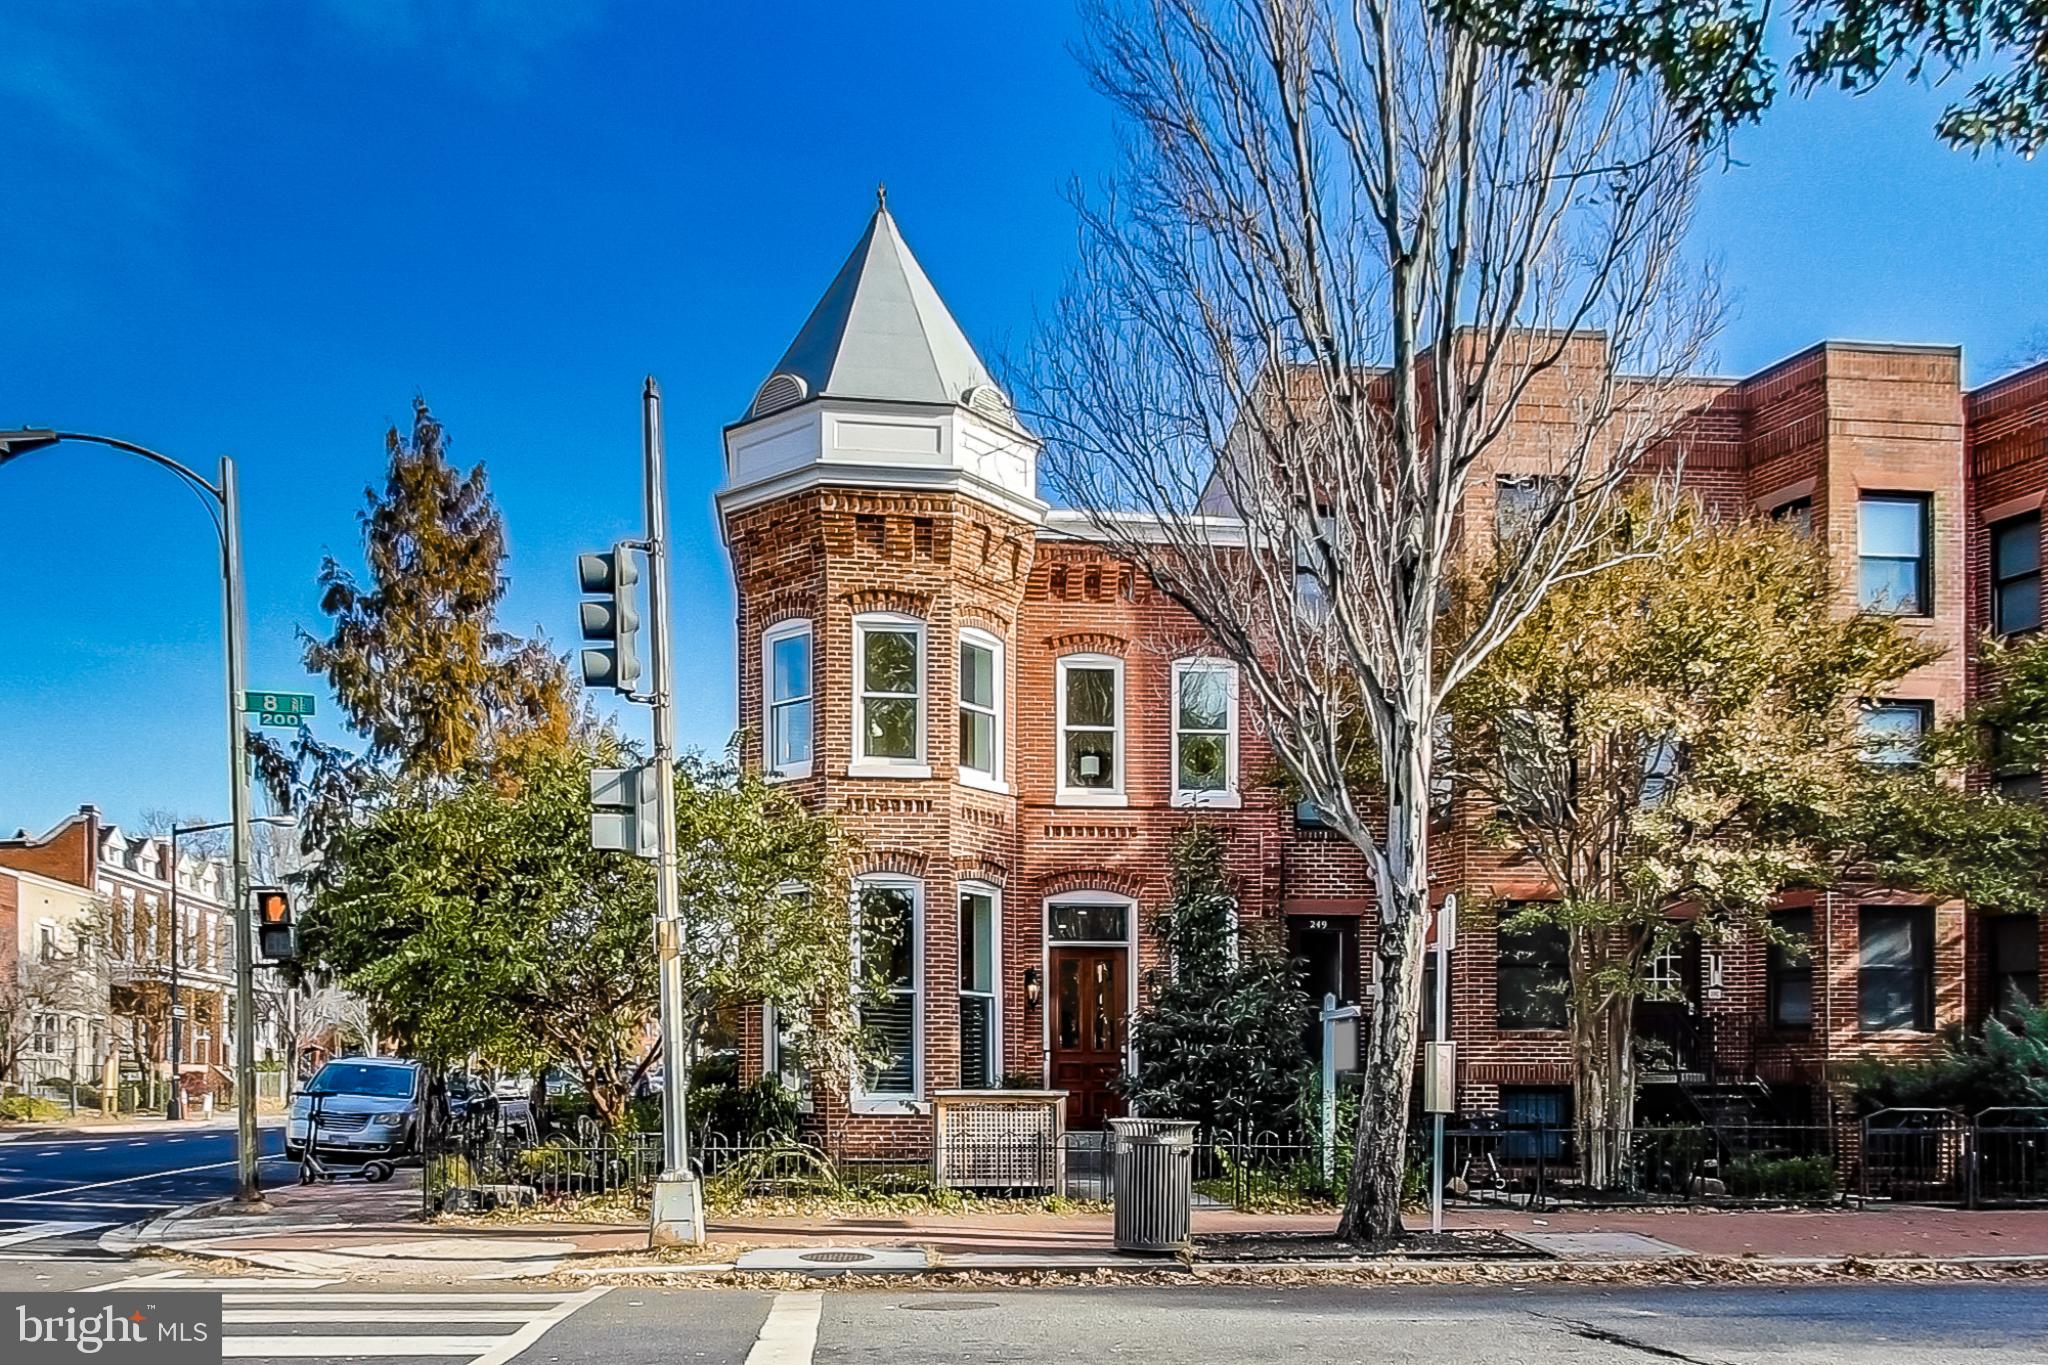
<point>1362,285</point>
<point>63,980</point>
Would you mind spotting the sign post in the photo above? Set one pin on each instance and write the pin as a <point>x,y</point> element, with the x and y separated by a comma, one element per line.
<point>1440,1078</point>
<point>1332,1014</point>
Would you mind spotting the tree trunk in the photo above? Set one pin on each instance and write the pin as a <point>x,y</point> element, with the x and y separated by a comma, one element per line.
<point>1604,1073</point>
<point>1372,1199</point>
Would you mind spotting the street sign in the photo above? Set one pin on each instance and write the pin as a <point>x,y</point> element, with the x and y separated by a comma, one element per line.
<point>180,1012</point>
<point>281,718</point>
<point>278,703</point>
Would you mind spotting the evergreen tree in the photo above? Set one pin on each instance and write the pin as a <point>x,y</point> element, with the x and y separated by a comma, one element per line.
<point>1221,1036</point>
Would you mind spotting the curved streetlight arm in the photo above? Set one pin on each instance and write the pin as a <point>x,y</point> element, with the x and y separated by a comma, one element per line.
<point>19,442</point>
<point>222,505</point>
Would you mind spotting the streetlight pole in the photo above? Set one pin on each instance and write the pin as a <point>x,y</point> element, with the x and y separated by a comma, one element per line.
<point>224,507</point>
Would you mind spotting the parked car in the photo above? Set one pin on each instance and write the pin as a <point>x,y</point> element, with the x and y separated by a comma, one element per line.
<point>470,1105</point>
<point>369,1109</point>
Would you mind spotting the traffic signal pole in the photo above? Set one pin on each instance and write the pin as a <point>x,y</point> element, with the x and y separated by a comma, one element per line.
<point>678,1215</point>
<point>248,1189</point>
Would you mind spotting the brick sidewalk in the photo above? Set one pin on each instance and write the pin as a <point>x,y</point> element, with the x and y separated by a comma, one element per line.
<point>351,1214</point>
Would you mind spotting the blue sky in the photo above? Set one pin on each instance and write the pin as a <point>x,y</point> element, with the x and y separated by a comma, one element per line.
<point>260,229</point>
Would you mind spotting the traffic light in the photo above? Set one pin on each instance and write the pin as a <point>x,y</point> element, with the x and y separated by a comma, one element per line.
<point>613,618</point>
<point>624,815</point>
<point>277,937</point>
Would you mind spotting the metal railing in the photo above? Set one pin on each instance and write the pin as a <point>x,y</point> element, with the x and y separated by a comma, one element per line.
<point>1543,1167</point>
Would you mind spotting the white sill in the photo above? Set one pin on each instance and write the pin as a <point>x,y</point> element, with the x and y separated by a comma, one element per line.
<point>1206,800</point>
<point>1090,798</point>
<point>982,782</point>
<point>794,772</point>
<point>884,769</point>
<point>887,1104</point>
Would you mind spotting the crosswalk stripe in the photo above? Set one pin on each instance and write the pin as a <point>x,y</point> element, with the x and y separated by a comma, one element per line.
<point>36,1232</point>
<point>331,1348</point>
<point>273,1315</point>
<point>393,1297</point>
<point>790,1333</point>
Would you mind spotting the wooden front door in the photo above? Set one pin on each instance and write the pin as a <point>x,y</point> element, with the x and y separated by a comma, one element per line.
<point>1089,998</point>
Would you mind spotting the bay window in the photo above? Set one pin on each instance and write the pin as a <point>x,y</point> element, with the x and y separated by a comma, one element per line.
<point>786,699</point>
<point>888,923</point>
<point>981,708</point>
<point>889,675</point>
<point>980,1016</point>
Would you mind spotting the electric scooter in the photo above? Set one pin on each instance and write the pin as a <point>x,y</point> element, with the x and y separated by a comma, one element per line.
<point>312,1168</point>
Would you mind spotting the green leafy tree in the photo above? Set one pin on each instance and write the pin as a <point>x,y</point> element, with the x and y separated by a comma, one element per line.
<point>1220,1035</point>
<point>1679,730</point>
<point>419,667</point>
<point>478,915</point>
<point>1713,60</point>
<point>2005,1063</point>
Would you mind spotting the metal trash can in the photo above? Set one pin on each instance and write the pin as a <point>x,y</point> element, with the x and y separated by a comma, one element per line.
<point>1154,1165</point>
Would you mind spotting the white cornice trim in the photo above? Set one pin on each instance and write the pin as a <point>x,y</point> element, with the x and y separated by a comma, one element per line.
<point>884,477</point>
<point>1064,523</point>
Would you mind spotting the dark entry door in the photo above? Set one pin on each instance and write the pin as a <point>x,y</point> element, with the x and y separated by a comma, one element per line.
<point>1088,1008</point>
<point>1326,946</point>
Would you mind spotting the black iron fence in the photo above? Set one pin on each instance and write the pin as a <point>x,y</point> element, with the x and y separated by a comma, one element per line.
<point>1927,1156</point>
<point>1537,1167</point>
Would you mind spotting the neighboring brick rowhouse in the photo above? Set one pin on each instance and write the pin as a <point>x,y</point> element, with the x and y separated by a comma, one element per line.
<point>873,476</point>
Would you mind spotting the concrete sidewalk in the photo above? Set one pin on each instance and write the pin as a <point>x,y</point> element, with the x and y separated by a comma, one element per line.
<point>351,1230</point>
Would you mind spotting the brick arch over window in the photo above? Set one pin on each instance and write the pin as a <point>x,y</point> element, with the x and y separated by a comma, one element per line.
<point>1089,642</point>
<point>1091,879</point>
<point>866,600</point>
<point>975,618</point>
<point>901,861</point>
<point>771,609</point>
<point>987,870</point>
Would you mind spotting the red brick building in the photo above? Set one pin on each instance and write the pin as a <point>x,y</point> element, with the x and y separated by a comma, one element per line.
<point>1015,722</point>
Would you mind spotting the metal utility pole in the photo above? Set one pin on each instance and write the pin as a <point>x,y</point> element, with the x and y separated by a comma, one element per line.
<point>678,1217</point>
<point>224,506</point>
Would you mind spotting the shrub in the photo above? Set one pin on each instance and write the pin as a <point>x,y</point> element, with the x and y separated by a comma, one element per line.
<point>27,1109</point>
<point>1220,1038</point>
<point>1791,1179</point>
<point>2005,1063</point>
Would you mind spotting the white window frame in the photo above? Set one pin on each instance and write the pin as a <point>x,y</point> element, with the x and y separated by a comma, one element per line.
<point>994,994</point>
<point>1046,944</point>
<point>859,1099</point>
<point>771,637</point>
<point>860,765</point>
<point>1089,796</point>
<point>1228,796</point>
<point>992,780</point>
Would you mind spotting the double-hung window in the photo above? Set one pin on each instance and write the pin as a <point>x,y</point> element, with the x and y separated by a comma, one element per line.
<point>981,708</point>
<point>1892,531</point>
<point>1896,968</point>
<point>1893,731</point>
<point>1532,977</point>
<point>2015,942</point>
<point>786,698</point>
<point>1797,514</point>
<point>1091,712</point>
<point>888,914</point>
<point>980,1018</point>
<point>2016,574</point>
<point>1204,733</point>
<point>1788,969</point>
<point>888,674</point>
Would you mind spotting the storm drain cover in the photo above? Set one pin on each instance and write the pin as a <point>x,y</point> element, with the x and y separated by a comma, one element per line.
<point>839,1260</point>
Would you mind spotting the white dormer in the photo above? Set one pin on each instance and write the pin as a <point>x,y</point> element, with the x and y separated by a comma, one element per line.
<point>881,389</point>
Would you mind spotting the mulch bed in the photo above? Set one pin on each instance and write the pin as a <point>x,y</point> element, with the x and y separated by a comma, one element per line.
<point>1464,1244</point>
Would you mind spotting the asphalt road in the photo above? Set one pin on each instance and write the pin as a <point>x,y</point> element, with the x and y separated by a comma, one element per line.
<point>62,1186</point>
<point>283,1319</point>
